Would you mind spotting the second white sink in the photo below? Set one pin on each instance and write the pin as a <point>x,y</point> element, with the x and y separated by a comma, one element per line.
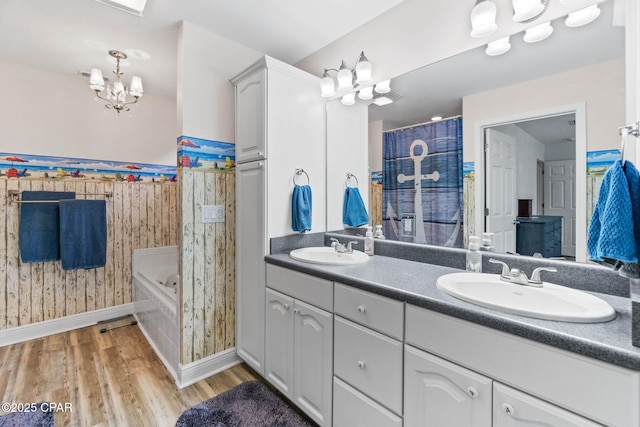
<point>550,302</point>
<point>327,255</point>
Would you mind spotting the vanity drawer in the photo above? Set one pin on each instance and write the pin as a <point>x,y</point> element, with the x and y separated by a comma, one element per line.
<point>313,290</point>
<point>373,311</point>
<point>370,362</point>
<point>353,409</point>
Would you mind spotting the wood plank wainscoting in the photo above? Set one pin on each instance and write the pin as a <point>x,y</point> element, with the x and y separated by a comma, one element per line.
<point>207,265</point>
<point>139,215</point>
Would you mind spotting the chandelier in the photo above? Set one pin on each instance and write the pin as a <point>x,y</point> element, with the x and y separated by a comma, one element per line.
<point>117,95</point>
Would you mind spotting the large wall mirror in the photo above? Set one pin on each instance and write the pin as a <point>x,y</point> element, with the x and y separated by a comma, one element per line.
<point>538,127</point>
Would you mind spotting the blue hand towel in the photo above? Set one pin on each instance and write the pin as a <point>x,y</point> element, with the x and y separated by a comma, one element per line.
<point>39,228</point>
<point>83,234</point>
<point>301,208</point>
<point>354,214</point>
<point>614,231</point>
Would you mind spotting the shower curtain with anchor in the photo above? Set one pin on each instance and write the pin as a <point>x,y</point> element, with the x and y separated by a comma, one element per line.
<point>422,188</point>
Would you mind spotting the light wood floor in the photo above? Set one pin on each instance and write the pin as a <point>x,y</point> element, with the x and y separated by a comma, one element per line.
<point>111,379</point>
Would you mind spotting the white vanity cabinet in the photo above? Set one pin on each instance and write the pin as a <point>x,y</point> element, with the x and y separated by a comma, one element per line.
<point>533,383</point>
<point>367,359</point>
<point>299,340</point>
<point>440,393</point>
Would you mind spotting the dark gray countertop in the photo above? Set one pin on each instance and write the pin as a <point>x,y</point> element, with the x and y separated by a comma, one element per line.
<point>415,283</point>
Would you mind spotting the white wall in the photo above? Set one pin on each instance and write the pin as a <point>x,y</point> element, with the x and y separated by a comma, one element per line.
<point>600,86</point>
<point>346,152</point>
<point>376,142</point>
<point>419,32</point>
<point>206,62</point>
<point>561,150</point>
<point>51,114</point>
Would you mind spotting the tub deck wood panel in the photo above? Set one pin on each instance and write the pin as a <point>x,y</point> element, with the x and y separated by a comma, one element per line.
<point>36,292</point>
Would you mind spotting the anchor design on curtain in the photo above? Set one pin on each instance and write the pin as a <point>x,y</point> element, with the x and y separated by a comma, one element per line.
<point>417,178</point>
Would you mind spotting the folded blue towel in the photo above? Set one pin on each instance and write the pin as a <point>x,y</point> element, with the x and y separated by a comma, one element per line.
<point>83,234</point>
<point>614,232</point>
<point>39,228</point>
<point>354,214</point>
<point>301,208</point>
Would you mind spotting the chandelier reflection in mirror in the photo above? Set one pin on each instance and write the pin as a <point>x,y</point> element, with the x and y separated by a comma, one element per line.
<point>117,95</point>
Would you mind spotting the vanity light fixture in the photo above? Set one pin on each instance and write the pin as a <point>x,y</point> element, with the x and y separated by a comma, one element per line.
<point>498,47</point>
<point>527,10</point>
<point>347,77</point>
<point>117,95</point>
<point>583,16</point>
<point>483,18</point>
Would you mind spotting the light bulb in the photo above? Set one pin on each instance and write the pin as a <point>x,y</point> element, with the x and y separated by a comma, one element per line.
<point>483,19</point>
<point>366,93</point>
<point>498,47</point>
<point>383,86</point>
<point>345,78</point>
<point>523,10</point>
<point>363,70</point>
<point>538,33</point>
<point>583,16</point>
<point>349,99</point>
<point>327,86</point>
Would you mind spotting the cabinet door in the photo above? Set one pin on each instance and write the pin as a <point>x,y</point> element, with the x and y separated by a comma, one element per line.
<point>250,117</point>
<point>313,351</point>
<point>250,266</point>
<point>440,393</point>
<point>512,408</point>
<point>279,342</point>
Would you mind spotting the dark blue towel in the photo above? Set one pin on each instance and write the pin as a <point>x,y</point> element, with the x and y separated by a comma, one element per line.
<point>614,232</point>
<point>301,208</point>
<point>39,229</point>
<point>354,214</point>
<point>83,234</point>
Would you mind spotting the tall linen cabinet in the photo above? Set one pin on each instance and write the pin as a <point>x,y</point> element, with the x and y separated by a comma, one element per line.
<point>279,127</point>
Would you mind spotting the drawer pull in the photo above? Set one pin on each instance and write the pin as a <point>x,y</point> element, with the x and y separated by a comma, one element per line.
<point>296,311</point>
<point>508,409</point>
<point>286,306</point>
<point>361,308</point>
<point>361,364</point>
<point>471,391</point>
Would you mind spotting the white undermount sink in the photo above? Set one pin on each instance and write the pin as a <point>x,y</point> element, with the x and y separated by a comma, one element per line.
<point>327,255</point>
<point>550,302</point>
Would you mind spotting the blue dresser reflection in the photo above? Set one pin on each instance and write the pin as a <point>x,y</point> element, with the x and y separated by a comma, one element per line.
<point>542,234</point>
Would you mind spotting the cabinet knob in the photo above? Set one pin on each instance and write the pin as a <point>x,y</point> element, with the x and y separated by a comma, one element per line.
<point>473,392</point>
<point>508,409</point>
<point>361,308</point>
<point>361,364</point>
<point>296,311</point>
<point>286,306</point>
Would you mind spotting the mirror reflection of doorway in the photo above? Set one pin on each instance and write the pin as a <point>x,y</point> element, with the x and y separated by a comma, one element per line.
<point>534,161</point>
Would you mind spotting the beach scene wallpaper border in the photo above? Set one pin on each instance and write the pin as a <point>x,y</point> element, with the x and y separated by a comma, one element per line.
<point>206,155</point>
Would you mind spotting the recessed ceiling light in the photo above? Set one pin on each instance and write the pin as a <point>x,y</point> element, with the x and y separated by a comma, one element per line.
<point>382,100</point>
<point>135,7</point>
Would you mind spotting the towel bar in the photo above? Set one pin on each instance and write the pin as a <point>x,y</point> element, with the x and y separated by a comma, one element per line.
<point>14,197</point>
<point>349,176</point>
<point>300,171</point>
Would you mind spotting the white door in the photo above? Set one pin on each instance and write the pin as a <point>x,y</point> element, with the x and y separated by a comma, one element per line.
<point>560,199</point>
<point>500,189</point>
<point>279,342</point>
<point>251,247</point>
<point>250,117</point>
<point>512,408</point>
<point>313,365</point>
<point>440,393</point>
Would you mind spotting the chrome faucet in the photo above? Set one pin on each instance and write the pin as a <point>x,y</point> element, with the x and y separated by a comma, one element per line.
<point>339,247</point>
<point>519,277</point>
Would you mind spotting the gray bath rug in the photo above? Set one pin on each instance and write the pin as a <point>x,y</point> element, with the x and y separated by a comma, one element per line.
<point>250,404</point>
<point>35,418</point>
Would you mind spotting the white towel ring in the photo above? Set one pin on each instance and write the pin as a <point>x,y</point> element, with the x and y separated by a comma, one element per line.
<point>349,176</point>
<point>299,172</point>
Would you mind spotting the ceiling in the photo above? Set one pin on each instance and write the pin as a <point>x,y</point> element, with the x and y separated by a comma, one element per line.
<point>64,36</point>
<point>438,89</point>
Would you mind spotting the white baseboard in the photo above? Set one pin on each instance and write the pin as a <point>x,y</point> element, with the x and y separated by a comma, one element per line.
<point>204,368</point>
<point>63,324</point>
